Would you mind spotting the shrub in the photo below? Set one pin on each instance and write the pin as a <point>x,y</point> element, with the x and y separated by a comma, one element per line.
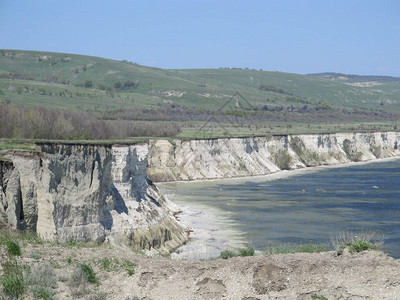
<point>227,254</point>
<point>246,251</point>
<point>358,246</point>
<point>355,243</point>
<point>91,275</point>
<point>13,248</point>
<point>282,159</point>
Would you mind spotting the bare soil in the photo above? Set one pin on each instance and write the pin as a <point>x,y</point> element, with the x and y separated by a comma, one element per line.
<point>365,275</point>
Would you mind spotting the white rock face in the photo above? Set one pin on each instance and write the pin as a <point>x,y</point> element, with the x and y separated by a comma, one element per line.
<point>235,157</point>
<point>103,193</point>
<point>88,192</point>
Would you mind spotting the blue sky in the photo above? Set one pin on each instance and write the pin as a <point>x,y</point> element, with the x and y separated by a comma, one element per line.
<point>357,37</point>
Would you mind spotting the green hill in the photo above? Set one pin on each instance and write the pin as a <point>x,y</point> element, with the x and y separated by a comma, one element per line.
<point>104,98</point>
<point>84,82</point>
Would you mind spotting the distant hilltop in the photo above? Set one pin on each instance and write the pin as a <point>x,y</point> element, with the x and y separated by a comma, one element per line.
<point>356,78</point>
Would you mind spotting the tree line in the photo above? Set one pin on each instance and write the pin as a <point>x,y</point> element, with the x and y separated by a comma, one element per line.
<point>49,123</point>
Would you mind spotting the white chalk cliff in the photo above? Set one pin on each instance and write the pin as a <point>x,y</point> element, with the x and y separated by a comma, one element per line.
<point>236,157</point>
<point>105,193</point>
<point>90,193</point>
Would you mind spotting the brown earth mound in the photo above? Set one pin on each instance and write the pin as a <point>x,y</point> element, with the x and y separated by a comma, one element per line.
<point>125,275</point>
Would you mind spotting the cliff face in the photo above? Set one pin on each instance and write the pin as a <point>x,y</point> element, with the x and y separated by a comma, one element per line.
<point>88,192</point>
<point>103,193</point>
<point>235,157</point>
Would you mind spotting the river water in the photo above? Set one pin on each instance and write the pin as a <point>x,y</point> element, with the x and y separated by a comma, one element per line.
<point>307,206</point>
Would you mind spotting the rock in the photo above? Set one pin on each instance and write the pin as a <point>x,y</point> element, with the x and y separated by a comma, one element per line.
<point>236,157</point>
<point>88,193</point>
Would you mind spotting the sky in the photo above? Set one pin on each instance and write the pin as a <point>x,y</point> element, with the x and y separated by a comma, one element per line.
<point>303,36</point>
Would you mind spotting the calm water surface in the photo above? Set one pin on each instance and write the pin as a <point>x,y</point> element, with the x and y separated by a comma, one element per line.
<point>310,207</point>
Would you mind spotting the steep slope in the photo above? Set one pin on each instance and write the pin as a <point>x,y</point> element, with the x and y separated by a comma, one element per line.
<point>235,157</point>
<point>89,193</point>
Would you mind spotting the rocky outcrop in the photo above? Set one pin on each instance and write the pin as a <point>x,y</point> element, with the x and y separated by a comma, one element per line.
<point>88,192</point>
<point>235,157</point>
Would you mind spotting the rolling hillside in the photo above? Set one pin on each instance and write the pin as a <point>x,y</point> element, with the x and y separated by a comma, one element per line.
<point>91,83</point>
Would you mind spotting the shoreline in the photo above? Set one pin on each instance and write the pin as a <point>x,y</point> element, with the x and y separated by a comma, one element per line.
<point>284,173</point>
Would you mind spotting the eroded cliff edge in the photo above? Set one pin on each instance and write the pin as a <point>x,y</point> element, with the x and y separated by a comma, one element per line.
<point>88,192</point>
<point>236,157</point>
<point>106,193</point>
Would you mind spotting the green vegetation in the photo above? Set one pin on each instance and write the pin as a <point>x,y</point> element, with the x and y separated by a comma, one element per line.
<point>109,265</point>
<point>13,248</point>
<point>351,154</point>
<point>42,281</point>
<point>282,159</point>
<point>36,255</point>
<point>86,97</point>
<point>91,275</point>
<point>296,248</point>
<point>12,279</point>
<point>227,254</point>
<point>249,251</point>
<point>355,242</point>
<point>318,297</point>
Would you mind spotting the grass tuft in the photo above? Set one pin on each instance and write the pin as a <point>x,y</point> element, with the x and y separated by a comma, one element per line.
<point>91,275</point>
<point>13,248</point>
<point>249,251</point>
<point>355,243</point>
<point>12,279</point>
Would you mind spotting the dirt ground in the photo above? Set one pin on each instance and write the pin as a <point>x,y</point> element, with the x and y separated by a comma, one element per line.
<point>365,275</point>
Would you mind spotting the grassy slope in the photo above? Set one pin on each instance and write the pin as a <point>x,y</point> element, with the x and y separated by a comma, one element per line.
<point>154,82</point>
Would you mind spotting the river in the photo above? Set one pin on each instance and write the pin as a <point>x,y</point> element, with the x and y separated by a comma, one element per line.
<point>296,207</point>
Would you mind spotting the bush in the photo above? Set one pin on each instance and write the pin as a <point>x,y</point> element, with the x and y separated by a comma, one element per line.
<point>355,242</point>
<point>91,275</point>
<point>227,254</point>
<point>282,159</point>
<point>358,246</point>
<point>13,248</point>
<point>246,251</point>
